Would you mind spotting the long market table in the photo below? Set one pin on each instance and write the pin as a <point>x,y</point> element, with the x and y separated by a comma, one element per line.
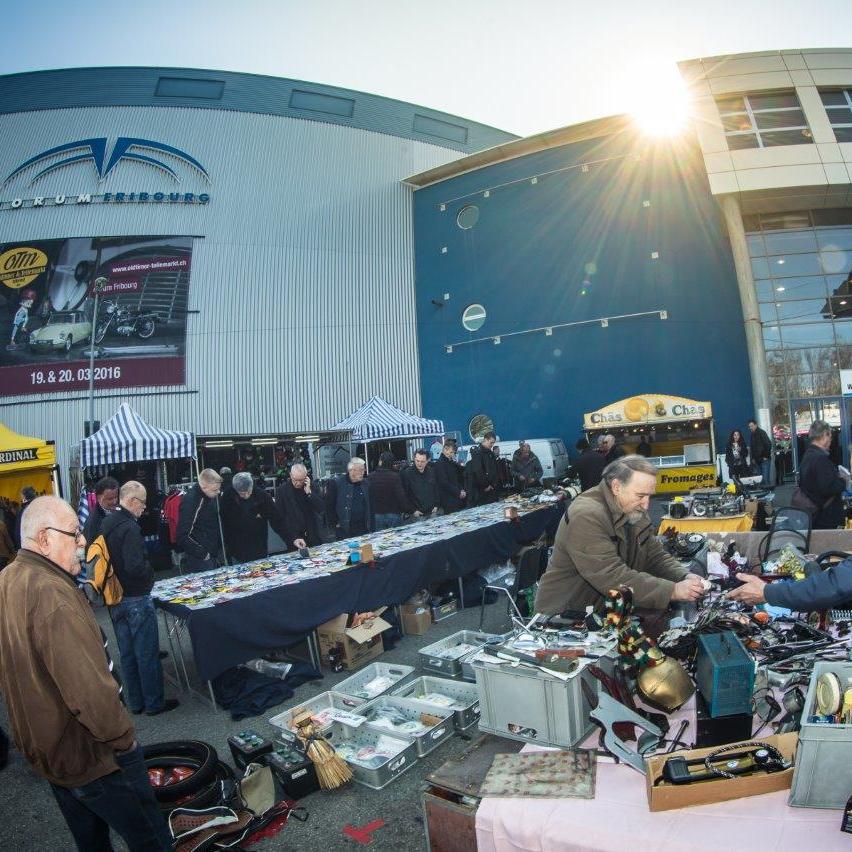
<point>240,612</point>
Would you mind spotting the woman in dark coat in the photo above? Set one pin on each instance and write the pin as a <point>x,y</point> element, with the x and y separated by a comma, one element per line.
<point>736,455</point>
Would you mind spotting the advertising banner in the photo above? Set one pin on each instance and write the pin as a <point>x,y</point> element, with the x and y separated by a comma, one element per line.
<point>47,290</point>
<point>647,408</point>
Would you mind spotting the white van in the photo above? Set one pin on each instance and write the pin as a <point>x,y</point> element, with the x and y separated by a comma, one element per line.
<point>551,453</point>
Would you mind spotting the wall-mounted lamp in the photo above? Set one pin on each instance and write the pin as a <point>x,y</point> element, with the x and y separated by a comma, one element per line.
<point>487,193</point>
<point>449,350</point>
<point>496,341</point>
<point>534,180</point>
<point>604,323</point>
<point>548,332</point>
<point>664,315</point>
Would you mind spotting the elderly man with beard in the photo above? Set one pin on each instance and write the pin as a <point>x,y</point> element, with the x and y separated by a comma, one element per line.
<point>607,541</point>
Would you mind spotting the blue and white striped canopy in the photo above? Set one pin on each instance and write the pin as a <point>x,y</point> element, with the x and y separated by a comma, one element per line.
<point>127,437</point>
<point>377,418</point>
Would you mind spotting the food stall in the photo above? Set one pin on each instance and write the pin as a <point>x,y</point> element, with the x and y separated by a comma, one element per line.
<point>26,461</point>
<point>679,432</point>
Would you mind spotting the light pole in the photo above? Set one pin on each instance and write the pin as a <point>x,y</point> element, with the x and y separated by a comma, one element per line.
<point>98,287</point>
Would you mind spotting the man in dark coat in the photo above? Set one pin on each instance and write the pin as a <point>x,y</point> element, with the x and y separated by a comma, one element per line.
<point>481,475</point>
<point>760,449</point>
<point>347,501</point>
<point>28,494</point>
<point>247,512</point>
<point>299,509</point>
<point>106,499</point>
<point>610,449</point>
<point>526,467</point>
<point>198,533</point>
<point>449,477</point>
<point>588,466</point>
<point>421,486</point>
<point>821,480</point>
<point>134,617</point>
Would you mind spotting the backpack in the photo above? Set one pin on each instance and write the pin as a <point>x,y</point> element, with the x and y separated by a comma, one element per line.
<point>102,576</point>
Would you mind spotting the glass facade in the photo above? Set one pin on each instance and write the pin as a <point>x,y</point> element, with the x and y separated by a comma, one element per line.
<point>838,108</point>
<point>802,268</point>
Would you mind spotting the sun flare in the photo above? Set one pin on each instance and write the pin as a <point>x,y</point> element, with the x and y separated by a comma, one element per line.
<point>661,101</point>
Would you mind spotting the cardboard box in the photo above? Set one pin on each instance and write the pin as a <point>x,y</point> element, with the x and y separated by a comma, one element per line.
<point>439,613</point>
<point>415,623</point>
<point>359,645</point>
<point>666,797</point>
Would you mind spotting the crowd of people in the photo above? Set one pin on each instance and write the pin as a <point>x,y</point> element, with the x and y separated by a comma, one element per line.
<point>72,715</point>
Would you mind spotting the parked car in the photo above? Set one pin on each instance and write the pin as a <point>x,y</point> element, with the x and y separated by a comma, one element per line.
<point>62,331</point>
<point>551,453</point>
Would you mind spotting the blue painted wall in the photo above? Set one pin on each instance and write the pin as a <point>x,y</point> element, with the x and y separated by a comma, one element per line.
<point>577,245</point>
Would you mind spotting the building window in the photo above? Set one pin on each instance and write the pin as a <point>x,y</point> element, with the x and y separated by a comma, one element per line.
<point>473,317</point>
<point>838,106</point>
<point>763,120</point>
<point>803,282</point>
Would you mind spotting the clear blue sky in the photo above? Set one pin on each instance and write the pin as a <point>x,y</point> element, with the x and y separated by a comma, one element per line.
<point>521,65</point>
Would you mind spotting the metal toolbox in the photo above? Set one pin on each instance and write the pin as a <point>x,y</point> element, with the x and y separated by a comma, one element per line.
<point>336,705</point>
<point>355,684</point>
<point>427,740</point>
<point>444,657</point>
<point>463,698</point>
<point>348,741</point>
<point>823,774</point>
<point>526,703</point>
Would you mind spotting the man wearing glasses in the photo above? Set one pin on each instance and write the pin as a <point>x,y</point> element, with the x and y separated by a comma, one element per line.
<point>63,702</point>
<point>135,619</point>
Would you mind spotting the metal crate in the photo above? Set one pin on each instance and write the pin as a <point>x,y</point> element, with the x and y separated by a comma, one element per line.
<point>340,734</point>
<point>823,774</point>
<point>440,658</point>
<point>426,741</point>
<point>525,703</point>
<point>354,685</point>
<point>325,701</point>
<point>464,697</point>
<point>724,674</point>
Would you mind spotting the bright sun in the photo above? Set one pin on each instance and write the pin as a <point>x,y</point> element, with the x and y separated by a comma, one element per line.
<point>661,101</point>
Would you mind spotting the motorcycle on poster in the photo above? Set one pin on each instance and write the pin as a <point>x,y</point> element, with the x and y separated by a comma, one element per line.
<point>47,313</point>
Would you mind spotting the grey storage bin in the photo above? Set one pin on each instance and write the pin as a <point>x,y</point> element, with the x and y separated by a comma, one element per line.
<point>354,684</point>
<point>440,658</point>
<point>823,774</point>
<point>323,701</point>
<point>426,741</point>
<point>364,736</point>
<point>464,697</point>
<point>523,703</point>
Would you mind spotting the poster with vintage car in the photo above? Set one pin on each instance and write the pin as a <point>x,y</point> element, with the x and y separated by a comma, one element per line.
<point>47,313</point>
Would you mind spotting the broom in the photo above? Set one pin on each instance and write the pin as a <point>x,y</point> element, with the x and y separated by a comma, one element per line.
<point>332,770</point>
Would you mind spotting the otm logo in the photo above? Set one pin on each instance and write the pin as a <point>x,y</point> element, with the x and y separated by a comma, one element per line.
<point>95,151</point>
<point>21,265</point>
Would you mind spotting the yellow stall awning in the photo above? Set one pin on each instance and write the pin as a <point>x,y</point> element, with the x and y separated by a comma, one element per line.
<point>20,452</point>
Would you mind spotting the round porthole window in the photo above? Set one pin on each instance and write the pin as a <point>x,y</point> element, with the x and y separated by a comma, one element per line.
<point>473,317</point>
<point>468,217</point>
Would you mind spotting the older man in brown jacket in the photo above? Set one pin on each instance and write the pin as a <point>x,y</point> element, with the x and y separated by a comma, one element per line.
<point>63,702</point>
<point>607,541</point>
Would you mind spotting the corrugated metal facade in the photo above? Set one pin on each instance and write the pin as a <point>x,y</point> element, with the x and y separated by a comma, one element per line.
<point>302,276</point>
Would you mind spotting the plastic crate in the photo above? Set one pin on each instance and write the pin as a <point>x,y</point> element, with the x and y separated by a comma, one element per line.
<point>377,777</point>
<point>443,659</point>
<point>823,774</point>
<point>724,674</point>
<point>427,740</point>
<point>325,701</point>
<point>523,703</point>
<point>463,698</point>
<point>355,684</point>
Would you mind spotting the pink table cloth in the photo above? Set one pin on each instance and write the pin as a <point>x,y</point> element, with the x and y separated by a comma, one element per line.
<point>618,819</point>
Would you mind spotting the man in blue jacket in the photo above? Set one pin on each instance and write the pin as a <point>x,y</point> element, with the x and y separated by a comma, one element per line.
<point>819,590</point>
